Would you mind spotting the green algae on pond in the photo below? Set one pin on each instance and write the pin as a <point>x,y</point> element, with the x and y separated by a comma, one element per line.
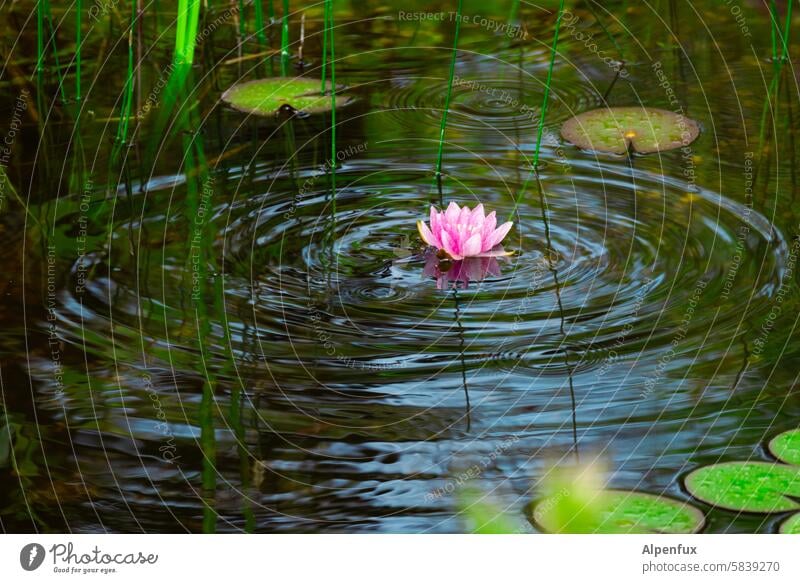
<point>619,511</point>
<point>619,130</point>
<point>267,97</point>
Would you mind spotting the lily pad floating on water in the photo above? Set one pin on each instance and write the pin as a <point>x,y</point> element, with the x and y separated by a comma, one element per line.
<point>620,511</point>
<point>747,486</point>
<point>268,97</point>
<point>786,447</point>
<point>485,516</point>
<point>621,129</point>
<point>791,525</point>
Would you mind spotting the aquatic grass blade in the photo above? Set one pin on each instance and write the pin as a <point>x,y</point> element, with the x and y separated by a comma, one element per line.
<point>545,100</point>
<point>285,40</point>
<point>449,93</point>
<point>333,105</point>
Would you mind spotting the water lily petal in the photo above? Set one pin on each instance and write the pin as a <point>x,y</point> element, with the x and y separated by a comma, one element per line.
<point>450,246</point>
<point>489,223</point>
<point>451,214</point>
<point>476,218</point>
<point>500,233</point>
<point>497,251</point>
<point>472,246</point>
<point>427,235</point>
<point>463,216</point>
<point>436,221</point>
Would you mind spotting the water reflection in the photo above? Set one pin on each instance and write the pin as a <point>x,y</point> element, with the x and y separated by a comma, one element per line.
<point>449,273</point>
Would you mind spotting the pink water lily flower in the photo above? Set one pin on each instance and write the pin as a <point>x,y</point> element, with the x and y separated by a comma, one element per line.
<point>461,232</point>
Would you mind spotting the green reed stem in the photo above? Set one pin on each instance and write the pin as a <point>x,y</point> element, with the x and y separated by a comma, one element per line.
<point>604,28</point>
<point>787,29</point>
<point>333,105</point>
<point>285,40</point>
<point>778,62</point>
<point>186,31</point>
<point>512,13</point>
<point>774,28</point>
<point>242,23</point>
<point>78,40</point>
<point>200,191</point>
<point>271,17</point>
<point>326,17</point>
<point>453,57</point>
<point>547,84</point>
<point>43,17</point>
<point>127,98</point>
<point>40,42</point>
<point>545,99</point>
<point>235,415</point>
<point>61,81</point>
<point>260,28</point>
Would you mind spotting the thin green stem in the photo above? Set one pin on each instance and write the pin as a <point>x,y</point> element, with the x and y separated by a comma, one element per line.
<point>78,40</point>
<point>260,29</point>
<point>127,98</point>
<point>599,21</point>
<point>512,13</point>
<point>186,31</point>
<point>200,191</point>
<point>271,16</point>
<point>449,91</point>
<point>787,28</point>
<point>52,40</point>
<point>333,105</point>
<point>545,99</point>
<point>778,62</point>
<point>40,42</point>
<point>285,40</point>
<point>324,45</point>
<point>773,30</point>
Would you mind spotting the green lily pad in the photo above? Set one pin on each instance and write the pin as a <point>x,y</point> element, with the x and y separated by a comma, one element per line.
<point>791,525</point>
<point>268,96</point>
<point>786,447</point>
<point>747,486</point>
<point>620,511</point>
<point>619,129</point>
<point>485,516</point>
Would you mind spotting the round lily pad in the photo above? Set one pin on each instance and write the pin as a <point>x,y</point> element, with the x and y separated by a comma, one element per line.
<point>620,511</point>
<point>619,129</point>
<point>791,525</point>
<point>747,486</point>
<point>786,447</point>
<point>483,515</point>
<point>268,97</point>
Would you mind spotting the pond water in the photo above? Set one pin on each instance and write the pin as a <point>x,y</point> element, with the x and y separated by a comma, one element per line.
<point>214,342</point>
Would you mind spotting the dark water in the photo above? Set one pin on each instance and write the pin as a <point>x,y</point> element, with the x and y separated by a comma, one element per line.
<point>322,382</point>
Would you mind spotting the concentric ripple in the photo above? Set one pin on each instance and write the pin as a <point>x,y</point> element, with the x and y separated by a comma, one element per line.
<point>483,102</point>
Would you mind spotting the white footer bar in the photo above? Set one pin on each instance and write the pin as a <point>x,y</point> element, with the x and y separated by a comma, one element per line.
<point>400,558</point>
